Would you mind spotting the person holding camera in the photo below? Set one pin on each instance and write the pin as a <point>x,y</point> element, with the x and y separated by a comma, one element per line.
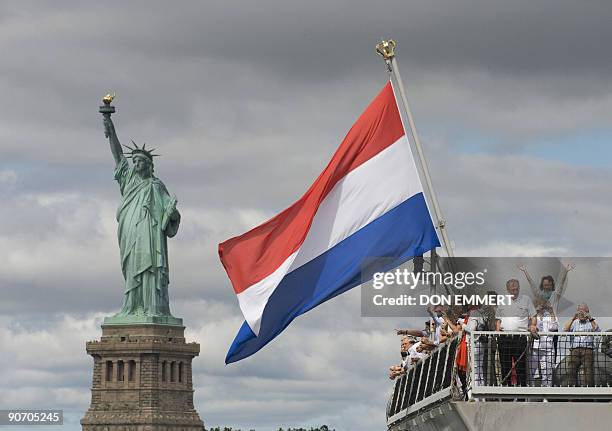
<point>582,346</point>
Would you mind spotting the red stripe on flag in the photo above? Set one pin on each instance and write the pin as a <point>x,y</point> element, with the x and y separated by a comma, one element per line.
<point>254,255</point>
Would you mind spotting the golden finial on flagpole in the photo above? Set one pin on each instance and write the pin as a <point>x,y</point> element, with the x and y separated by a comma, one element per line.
<point>386,48</point>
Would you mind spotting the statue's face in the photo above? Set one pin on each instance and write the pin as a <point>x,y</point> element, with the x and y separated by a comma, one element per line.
<point>141,164</point>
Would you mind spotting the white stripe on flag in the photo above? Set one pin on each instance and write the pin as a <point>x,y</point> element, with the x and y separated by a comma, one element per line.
<point>364,194</point>
<point>253,300</point>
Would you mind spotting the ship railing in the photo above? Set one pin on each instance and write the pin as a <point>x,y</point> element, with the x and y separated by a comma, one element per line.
<point>581,366</point>
<point>426,383</point>
<point>547,366</point>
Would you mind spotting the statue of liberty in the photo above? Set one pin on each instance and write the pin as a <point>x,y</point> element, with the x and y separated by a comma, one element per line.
<point>147,217</point>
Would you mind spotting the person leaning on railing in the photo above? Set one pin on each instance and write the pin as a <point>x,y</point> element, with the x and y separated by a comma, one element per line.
<point>420,350</point>
<point>398,370</point>
<point>478,321</point>
<point>432,328</point>
<point>467,323</point>
<point>582,346</point>
<point>412,332</point>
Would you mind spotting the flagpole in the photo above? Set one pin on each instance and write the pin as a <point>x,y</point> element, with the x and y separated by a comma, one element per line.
<point>387,50</point>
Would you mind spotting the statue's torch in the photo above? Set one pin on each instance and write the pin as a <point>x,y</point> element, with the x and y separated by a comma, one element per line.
<point>106,109</point>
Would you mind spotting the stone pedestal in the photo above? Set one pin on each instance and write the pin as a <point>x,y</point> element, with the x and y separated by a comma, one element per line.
<point>142,380</point>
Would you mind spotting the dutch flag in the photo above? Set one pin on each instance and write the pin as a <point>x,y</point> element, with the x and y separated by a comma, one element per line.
<point>368,202</point>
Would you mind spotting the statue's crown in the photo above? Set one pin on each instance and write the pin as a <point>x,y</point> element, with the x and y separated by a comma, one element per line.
<point>132,151</point>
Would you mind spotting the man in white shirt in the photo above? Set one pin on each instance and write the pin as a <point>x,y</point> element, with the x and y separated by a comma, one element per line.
<point>518,316</point>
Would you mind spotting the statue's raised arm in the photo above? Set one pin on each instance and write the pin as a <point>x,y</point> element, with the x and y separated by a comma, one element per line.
<point>109,128</point>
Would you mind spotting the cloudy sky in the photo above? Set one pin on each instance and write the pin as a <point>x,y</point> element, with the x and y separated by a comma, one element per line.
<point>246,101</point>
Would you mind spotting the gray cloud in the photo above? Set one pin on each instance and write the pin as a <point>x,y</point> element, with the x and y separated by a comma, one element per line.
<point>247,102</point>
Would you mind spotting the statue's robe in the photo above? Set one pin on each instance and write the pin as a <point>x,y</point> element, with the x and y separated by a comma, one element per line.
<point>147,216</point>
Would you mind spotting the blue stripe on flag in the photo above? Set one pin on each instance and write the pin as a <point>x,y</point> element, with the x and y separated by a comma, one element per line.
<point>400,234</point>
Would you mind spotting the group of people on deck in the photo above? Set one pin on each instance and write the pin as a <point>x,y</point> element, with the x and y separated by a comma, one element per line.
<point>516,359</point>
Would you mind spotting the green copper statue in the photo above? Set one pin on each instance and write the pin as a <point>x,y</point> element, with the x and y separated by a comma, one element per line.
<point>147,216</point>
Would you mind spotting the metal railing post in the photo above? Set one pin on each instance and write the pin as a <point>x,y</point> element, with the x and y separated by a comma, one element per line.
<point>472,363</point>
<point>439,353</point>
<point>448,349</point>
